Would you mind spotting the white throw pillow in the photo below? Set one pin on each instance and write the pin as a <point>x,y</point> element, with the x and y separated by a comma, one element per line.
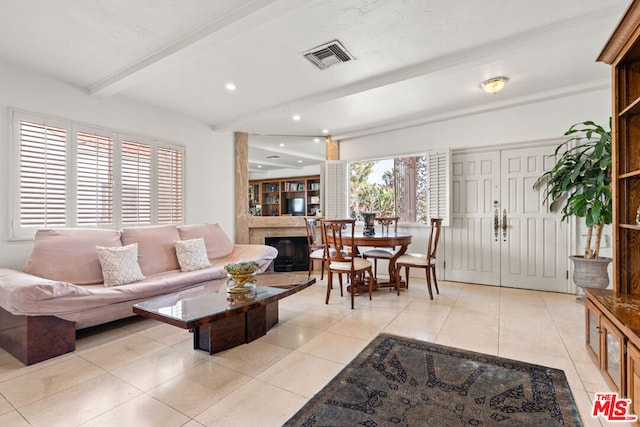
<point>192,254</point>
<point>119,264</point>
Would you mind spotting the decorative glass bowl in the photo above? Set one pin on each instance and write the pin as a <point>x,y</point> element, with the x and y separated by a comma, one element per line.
<point>241,277</point>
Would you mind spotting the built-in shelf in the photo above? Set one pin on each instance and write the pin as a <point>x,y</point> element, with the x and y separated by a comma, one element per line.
<point>629,174</point>
<point>631,109</point>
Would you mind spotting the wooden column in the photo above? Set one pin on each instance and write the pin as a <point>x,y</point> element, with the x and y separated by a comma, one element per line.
<point>333,149</point>
<point>242,187</point>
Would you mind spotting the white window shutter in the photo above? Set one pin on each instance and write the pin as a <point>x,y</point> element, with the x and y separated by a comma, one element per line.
<point>170,185</point>
<point>336,189</point>
<point>42,175</point>
<point>94,181</point>
<point>439,196</point>
<point>136,183</point>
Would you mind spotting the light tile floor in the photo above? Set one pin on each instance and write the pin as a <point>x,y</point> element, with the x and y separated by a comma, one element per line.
<point>145,373</point>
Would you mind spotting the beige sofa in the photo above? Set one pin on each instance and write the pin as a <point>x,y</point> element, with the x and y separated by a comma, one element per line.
<point>61,286</point>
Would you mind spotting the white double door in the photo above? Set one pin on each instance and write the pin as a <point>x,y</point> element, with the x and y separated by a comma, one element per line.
<point>501,233</point>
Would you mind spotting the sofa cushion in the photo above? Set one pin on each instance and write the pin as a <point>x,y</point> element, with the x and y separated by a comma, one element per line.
<point>119,265</point>
<point>215,239</point>
<point>156,247</point>
<point>55,250</point>
<point>192,254</point>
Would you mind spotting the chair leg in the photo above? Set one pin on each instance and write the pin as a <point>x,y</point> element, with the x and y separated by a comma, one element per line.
<point>435,281</point>
<point>375,267</point>
<point>329,285</point>
<point>322,271</point>
<point>352,292</point>
<point>406,273</point>
<point>429,283</point>
<point>310,267</point>
<point>340,280</point>
<point>371,285</point>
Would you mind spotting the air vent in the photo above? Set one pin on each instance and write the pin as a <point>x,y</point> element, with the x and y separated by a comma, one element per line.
<point>328,54</point>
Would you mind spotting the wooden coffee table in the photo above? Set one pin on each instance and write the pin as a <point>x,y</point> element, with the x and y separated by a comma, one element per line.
<point>220,320</point>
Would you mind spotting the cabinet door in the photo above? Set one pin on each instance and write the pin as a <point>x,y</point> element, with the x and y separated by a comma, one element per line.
<point>592,331</point>
<point>613,361</point>
<point>633,378</point>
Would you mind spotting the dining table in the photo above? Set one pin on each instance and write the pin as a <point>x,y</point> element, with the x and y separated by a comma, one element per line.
<point>398,240</point>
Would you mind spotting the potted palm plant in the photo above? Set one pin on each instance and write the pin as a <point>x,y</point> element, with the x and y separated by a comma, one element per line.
<point>580,183</point>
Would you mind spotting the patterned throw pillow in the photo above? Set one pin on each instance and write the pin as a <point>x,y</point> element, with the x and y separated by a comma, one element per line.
<point>192,254</point>
<point>119,264</point>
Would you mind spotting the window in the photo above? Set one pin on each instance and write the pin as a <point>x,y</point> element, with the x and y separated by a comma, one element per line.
<point>415,188</point>
<point>72,175</point>
<point>43,175</point>
<point>94,179</point>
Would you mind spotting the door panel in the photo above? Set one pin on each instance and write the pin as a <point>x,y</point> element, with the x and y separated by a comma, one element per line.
<point>471,251</point>
<point>535,255</point>
<point>531,251</point>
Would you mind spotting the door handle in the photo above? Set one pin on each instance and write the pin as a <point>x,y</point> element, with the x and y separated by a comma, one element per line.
<point>496,221</point>
<point>504,225</point>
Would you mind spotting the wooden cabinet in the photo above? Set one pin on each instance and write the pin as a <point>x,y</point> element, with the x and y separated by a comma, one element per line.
<point>613,316</point>
<point>623,53</point>
<point>285,196</point>
<point>606,345</point>
<point>633,377</point>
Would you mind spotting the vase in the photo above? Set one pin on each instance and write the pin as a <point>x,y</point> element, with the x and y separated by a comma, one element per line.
<point>590,273</point>
<point>240,283</point>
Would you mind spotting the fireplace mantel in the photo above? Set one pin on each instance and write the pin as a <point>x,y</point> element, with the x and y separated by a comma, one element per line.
<point>273,226</point>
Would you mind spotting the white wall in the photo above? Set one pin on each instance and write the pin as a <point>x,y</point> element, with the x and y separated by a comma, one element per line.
<point>209,193</point>
<point>525,123</point>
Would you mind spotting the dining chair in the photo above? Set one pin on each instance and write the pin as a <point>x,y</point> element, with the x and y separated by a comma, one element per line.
<point>426,261</point>
<point>338,237</point>
<point>382,252</point>
<point>316,247</point>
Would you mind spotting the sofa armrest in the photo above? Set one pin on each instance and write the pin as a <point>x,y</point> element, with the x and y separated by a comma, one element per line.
<point>20,291</point>
<point>262,254</point>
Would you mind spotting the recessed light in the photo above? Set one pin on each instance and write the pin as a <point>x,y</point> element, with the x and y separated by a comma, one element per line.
<point>259,166</point>
<point>299,161</point>
<point>230,87</point>
<point>325,131</point>
<point>282,144</point>
<point>316,139</point>
<point>296,117</point>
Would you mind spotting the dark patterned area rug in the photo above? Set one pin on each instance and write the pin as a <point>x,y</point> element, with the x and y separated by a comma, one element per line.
<point>400,381</point>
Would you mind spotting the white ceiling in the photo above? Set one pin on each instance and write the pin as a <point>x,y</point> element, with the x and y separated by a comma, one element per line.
<point>415,60</point>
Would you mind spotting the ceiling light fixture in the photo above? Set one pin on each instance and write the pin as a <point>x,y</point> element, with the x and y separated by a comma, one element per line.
<point>316,139</point>
<point>296,117</point>
<point>230,87</point>
<point>325,131</point>
<point>494,85</point>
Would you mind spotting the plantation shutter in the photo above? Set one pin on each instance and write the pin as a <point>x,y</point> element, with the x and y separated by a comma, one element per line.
<point>438,195</point>
<point>43,156</point>
<point>136,183</point>
<point>336,191</point>
<point>170,185</point>
<point>94,179</point>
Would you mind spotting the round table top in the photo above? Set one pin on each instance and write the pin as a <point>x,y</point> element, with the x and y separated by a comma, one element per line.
<point>381,239</point>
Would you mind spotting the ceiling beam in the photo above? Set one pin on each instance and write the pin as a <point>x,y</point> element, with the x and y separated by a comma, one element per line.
<point>249,15</point>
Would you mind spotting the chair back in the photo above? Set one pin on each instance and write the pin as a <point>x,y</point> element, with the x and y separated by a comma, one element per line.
<point>338,238</point>
<point>386,222</point>
<point>434,236</point>
<point>312,236</point>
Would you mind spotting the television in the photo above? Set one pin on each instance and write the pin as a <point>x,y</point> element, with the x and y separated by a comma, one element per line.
<point>295,206</point>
